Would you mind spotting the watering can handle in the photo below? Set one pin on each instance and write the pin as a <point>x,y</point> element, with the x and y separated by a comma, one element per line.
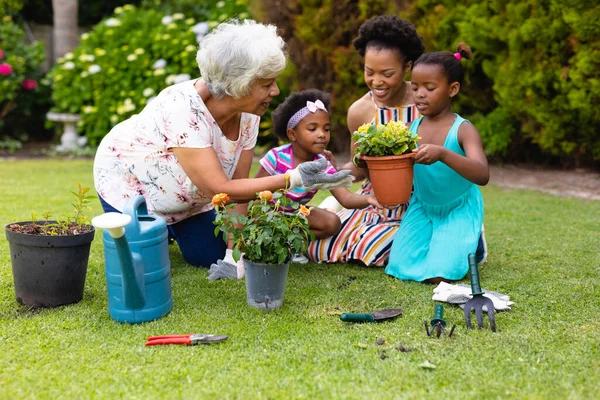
<point>474,275</point>
<point>134,208</point>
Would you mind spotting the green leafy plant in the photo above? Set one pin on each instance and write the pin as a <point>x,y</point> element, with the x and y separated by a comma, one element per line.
<point>391,139</point>
<point>274,224</point>
<point>67,226</point>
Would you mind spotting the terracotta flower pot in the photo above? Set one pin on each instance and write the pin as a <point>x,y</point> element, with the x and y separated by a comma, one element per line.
<point>391,177</point>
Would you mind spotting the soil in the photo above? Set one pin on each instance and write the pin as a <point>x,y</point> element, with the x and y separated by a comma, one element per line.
<point>582,183</point>
<point>51,229</point>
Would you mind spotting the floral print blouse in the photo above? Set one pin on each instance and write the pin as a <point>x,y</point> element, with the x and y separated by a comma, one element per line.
<point>136,157</point>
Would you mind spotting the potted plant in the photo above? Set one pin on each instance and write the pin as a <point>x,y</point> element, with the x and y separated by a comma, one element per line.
<point>387,150</point>
<point>274,228</point>
<point>49,257</point>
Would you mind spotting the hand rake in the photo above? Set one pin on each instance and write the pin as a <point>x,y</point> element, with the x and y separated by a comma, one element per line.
<point>479,300</point>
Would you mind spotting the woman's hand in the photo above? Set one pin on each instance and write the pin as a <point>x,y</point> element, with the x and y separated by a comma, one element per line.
<point>428,154</point>
<point>312,175</point>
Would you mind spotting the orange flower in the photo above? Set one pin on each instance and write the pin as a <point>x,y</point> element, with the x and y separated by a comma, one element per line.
<point>304,210</point>
<point>265,195</point>
<point>220,199</point>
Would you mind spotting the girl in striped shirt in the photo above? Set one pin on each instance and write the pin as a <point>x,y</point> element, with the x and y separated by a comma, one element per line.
<point>303,119</point>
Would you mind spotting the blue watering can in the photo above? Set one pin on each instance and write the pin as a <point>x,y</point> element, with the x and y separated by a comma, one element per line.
<point>138,269</point>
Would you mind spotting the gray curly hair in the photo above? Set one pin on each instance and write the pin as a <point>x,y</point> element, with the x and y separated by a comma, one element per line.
<point>235,54</point>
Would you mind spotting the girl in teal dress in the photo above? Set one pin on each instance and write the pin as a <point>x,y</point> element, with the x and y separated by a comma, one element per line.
<point>443,223</point>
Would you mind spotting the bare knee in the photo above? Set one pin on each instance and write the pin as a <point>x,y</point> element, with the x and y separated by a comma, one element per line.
<point>324,223</point>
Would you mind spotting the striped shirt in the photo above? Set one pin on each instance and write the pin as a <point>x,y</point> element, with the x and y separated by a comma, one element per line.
<point>280,160</point>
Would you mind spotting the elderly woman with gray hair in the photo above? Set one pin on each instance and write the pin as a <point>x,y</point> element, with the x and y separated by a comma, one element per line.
<point>197,138</point>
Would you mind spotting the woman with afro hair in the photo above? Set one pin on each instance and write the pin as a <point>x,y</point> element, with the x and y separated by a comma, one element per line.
<point>389,46</point>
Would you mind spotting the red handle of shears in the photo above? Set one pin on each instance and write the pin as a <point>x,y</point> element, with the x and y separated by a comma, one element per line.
<point>169,339</point>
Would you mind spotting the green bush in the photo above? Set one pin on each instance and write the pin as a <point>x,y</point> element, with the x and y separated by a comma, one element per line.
<point>19,73</point>
<point>535,75</point>
<point>122,63</point>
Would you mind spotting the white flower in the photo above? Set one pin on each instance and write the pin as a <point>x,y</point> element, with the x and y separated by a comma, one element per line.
<point>84,74</point>
<point>85,36</point>
<point>69,65</point>
<point>178,16</point>
<point>112,22</point>
<point>190,48</point>
<point>89,109</point>
<point>139,51</point>
<point>68,56</point>
<point>131,57</point>
<point>172,26</point>
<point>166,20</point>
<point>199,38</point>
<point>94,69</point>
<point>99,51</point>
<point>189,21</point>
<point>87,57</point>
<point>201,28</point>
<point>182,78</point>
<point>114,119</point>
<point>118,10</point>
<point>160,63</point>
<point>159,71</point>
<point>170,79</point>
<point>220,4</point>
<point>148,92</point>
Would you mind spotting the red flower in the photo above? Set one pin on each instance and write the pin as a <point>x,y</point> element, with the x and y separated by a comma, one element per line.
<point>5,69</point>
<point>29,84</point>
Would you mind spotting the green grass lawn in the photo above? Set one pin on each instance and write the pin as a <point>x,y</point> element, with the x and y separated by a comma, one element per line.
<point>544,253</point>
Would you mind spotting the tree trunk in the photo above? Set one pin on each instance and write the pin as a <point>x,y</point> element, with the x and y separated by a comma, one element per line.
<point>66,34</point>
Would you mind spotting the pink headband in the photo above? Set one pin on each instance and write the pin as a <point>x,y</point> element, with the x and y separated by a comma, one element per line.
<point>303,112</point>
<point>457,56</point>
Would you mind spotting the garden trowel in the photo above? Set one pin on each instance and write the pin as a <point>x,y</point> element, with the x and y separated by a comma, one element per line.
<point>372,317</point>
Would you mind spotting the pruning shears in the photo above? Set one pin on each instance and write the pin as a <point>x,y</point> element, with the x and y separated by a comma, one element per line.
<point>190,339</point>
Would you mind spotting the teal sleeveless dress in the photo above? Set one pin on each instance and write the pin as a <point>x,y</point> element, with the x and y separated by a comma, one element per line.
<point>442,224</point>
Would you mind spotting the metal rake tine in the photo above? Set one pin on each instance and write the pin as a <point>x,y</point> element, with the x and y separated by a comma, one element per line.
<point>452,330</point>
<point>467,312</point>
<point>427,328</point>
<point>479,316</point>
<point>492,317</point>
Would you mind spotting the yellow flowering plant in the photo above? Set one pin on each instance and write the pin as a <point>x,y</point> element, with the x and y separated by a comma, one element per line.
<point>273,226</point>
<point>391,139</point>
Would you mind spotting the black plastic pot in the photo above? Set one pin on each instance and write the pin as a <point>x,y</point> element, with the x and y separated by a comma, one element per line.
<point>48,271</point>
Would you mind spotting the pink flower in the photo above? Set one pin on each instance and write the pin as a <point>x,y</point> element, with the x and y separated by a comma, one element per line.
<point>1,54</point>
<point>29,84</point>
<point>5,69</point>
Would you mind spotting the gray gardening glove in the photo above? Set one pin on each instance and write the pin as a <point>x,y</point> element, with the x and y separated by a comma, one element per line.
<point>311,175</point>
<point>226,268</point>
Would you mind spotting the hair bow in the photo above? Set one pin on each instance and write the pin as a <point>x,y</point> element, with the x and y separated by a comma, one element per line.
<point>314,106</point>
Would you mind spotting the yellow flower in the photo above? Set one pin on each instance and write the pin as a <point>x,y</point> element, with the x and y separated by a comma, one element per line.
<point>99,52</point>
<point>220,199</point>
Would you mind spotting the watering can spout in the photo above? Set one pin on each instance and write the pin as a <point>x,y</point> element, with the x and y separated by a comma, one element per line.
<point>131,264</point>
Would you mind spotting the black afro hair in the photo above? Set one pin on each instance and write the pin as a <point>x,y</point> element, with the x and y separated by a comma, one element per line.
<point>291,105</point>
<point>390,32</point>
